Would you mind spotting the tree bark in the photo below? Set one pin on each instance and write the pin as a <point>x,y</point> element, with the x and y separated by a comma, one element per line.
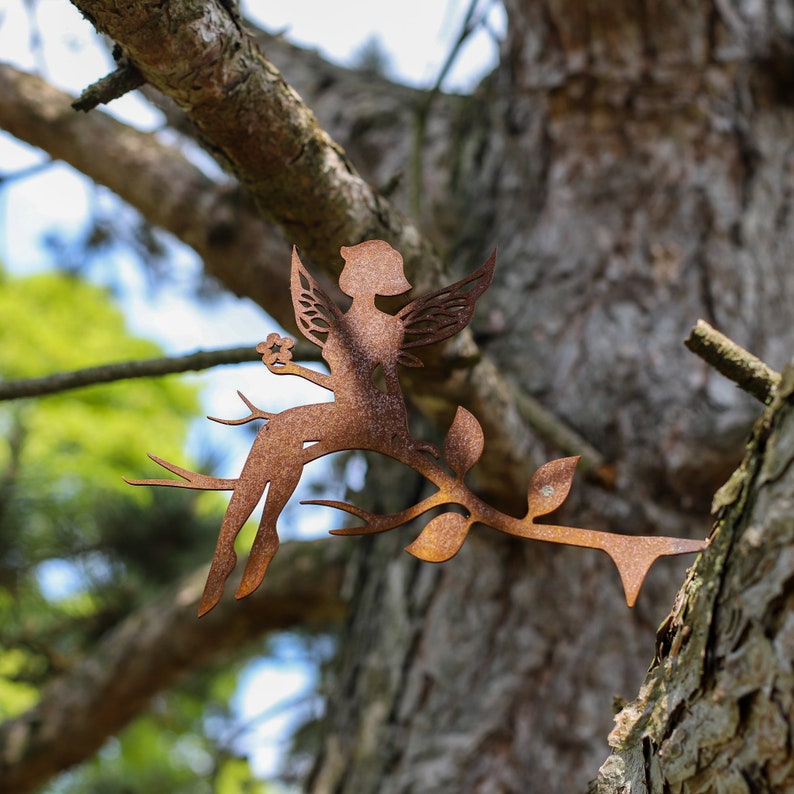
<point>633,163</point>
<point>200,56</point>
<point>716,711</point>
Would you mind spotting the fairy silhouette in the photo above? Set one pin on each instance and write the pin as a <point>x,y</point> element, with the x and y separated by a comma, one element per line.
<point>363,348</point>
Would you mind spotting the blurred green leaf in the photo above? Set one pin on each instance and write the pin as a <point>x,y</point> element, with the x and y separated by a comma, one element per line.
<point>235,777</point>
<point>91,437</point>
<point>15,695</point>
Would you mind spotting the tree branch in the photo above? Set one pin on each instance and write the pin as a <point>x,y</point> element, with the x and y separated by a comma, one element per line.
<point>125,79</point>
<point>715,710</point>
<point>379,150</point>
<point>202,58</point>
<point>153,649</point>
<point>149,368</point>
<point>219,221</point>
<point>732,361</point>
<point>297,175</point>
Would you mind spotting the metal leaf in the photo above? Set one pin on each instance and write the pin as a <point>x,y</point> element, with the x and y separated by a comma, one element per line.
<point>550,485</point>
<point>464,442</point>
<point>441,539</point>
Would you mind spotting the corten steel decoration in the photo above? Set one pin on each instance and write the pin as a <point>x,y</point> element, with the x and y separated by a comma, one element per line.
<point>356,345</point>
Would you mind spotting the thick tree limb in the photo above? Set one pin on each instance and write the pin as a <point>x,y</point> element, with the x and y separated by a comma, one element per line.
<point>371,116</point>
<point>732,361</point>
<point>254,122</point>
<point>716,710</point>
<point>238,247</point>
<point>154,648</point>
<point>219,222</point>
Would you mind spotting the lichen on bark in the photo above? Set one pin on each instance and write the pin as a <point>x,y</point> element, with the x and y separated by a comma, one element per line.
<point>716,710</point>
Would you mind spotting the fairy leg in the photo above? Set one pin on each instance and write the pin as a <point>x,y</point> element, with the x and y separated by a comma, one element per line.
<point>278,456</point>
<point>247,493</point>
<point>266,541</point>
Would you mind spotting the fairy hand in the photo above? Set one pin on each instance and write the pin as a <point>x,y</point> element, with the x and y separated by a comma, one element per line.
<point>276,352</point>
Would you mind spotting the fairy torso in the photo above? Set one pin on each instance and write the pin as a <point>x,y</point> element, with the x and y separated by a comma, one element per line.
<point>364,340</point>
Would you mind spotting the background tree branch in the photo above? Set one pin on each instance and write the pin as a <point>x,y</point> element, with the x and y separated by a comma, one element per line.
<point>219,221</point>
<point>226,230</point>
<point>156,647</point>
<point>148,368</point>
<point>300,178</point>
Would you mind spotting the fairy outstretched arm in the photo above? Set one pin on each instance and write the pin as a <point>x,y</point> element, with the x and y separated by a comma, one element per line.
<point>276,354</point>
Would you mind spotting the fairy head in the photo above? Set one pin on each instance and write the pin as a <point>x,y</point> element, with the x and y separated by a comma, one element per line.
<point>372,267</point>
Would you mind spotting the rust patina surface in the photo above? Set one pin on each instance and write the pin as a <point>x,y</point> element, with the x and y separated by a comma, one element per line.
<point>363,348</point>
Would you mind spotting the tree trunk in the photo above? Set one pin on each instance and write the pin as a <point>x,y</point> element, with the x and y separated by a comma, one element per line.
<point>716,710</point>
<point>632,161</point>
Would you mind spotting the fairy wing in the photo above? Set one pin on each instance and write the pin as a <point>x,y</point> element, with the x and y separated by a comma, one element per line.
<point>443,313</point>
<point>315,313</point>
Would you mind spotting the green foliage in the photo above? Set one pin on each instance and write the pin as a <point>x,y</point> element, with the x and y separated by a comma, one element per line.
<point>53,322</point>
<point>15,695</point>
<point>170,750</point>
<point>160,754</point>
<point>235,777</point>
<point>62,457</point>
<point>65,510</point>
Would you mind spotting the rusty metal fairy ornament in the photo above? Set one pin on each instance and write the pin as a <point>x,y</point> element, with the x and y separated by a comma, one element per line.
<point>356,345</point>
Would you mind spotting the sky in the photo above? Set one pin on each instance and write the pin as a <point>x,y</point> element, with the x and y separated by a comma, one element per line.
<point>417,35</point>
<point>53,39</point>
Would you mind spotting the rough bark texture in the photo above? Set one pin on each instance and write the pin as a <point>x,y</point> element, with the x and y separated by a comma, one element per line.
<point>199,55</point>
<point>633,162</point>
<point>716,712</point>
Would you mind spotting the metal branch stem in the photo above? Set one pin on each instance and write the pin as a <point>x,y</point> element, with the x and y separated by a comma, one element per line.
<point>633,555</point>
<point>734,362</point>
